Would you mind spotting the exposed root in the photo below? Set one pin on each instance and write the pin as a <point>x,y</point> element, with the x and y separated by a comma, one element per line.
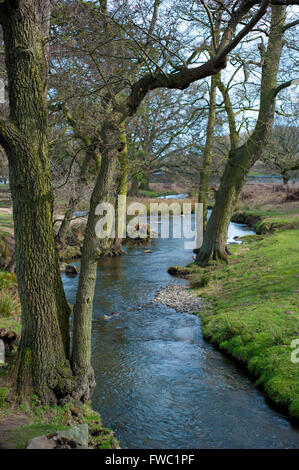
<point>85,383</point>
<point>51,383</point>
<point>205,257</point>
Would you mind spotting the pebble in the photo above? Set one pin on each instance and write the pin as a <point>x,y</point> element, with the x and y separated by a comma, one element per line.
<point>180,298</point>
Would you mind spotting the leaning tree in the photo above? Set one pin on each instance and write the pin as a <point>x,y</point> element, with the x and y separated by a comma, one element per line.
<point>242,158</point>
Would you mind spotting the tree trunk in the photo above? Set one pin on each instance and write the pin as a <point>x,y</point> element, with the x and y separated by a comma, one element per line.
<point>285,179</point>
<point>134,186</point>
<point>241,159</point>
<point>122,191</point>
<point>66,222</point>
<point>232,181</point>
<point>144,185</point>
<point>41,366</point>
<point>104,191</point>
<point>205,172</point>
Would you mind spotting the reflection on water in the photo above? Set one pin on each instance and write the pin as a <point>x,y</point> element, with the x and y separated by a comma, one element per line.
<point>159,384</point>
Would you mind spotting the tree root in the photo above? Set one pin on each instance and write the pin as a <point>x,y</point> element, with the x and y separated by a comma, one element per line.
<point>85,383</point>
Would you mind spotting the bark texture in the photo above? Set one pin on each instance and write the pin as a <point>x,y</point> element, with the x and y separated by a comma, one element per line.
<point>41,365</point>
<point>104,191</point>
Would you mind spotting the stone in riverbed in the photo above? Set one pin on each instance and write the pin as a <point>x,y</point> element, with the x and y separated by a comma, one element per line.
<point>71,270</point>
<point>179,298</point>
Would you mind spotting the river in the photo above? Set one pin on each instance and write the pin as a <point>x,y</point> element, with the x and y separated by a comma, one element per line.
<point>159,383</point>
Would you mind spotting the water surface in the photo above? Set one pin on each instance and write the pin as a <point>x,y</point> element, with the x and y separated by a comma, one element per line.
<point>159,384</point>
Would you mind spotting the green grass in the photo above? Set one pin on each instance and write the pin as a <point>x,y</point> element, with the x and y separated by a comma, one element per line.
<point>152,193</point>
<point>265,221</point>
<point>11,323</point>
<point>252,311</point>
<point>99,437</point>
<point>8,306</point>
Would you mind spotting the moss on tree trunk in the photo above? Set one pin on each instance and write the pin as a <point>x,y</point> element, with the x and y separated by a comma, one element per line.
<point>41,364</point>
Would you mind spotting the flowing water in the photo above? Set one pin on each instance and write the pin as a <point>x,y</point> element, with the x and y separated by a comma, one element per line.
<point>159,383</point>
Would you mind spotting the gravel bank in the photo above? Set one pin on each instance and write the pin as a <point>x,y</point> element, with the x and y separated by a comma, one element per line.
<point>180,298</point>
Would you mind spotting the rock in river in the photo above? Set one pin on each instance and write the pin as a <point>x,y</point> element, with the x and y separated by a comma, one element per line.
<point>71,270</point>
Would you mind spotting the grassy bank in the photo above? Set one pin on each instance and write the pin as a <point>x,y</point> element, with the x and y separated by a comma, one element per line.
<point>252,309</point>
<point>265,221</point>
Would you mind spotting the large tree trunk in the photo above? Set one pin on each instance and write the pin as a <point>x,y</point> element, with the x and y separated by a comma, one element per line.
<point>241,159</point>
<point>41,365</point>
<point>205,172</point>
<point>234,176</point>
<point>104,191</point>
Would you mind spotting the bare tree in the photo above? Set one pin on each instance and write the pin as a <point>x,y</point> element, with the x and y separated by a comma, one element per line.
<point>282,153</point>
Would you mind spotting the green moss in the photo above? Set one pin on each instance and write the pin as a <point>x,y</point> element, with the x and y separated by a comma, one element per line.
<point>182,271</point>
<point>252,312</point>
<point>99,437</point>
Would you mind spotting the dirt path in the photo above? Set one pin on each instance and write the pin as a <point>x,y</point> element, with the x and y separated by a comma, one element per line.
<point>7,424</point>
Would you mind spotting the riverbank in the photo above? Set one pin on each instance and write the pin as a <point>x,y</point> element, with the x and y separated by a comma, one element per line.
<point>20,423</point>
<point>251,305</point>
